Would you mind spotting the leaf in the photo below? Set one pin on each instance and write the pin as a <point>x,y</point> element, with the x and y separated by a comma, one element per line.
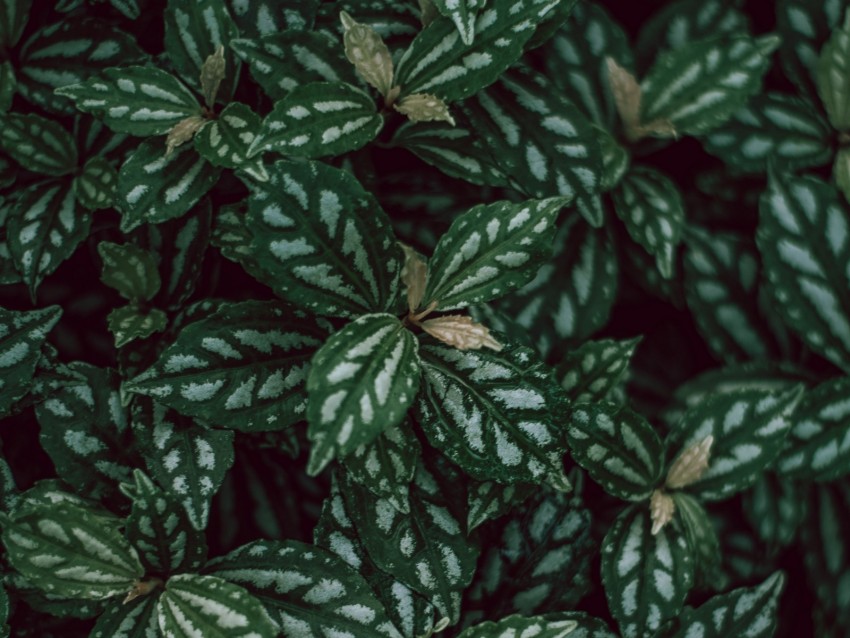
<point>225,140</point>
<point>539,139</point>
<point>38,144</point>
<point>365,49</point>
<point>700,85</point>
<point>463,13</point>
<point>538,626</point>
<point>153,187</point>
<point>319,119</point>
<point>832,69</point>
<point>775,507</point>
<point>138,100</point>
<point>323,241</point>
<point>187,460</point>
<point>749,429</point>
<point>95,186</point>
<point>8,86</point>
<point>490,250</point>
<point>439,63</point>
<point>243,367</point>
<point>489,500</point>
<point>646,577</point>
<point>424,107</point>
<point>194,606</point>
<point>742,612</point>
<point>494,414</point>
<point>702,540</point>
<point>22,335</point>
<point>69,550</point>
<point>591,371</point>
<point>129,323</point>
<point>772,125</point>
<point>260,18</point>
<point>361,382</point>
<point>13,19</point>
<point>44,228</point>
<point>652,209</point>
<point>134,619</point>
<point>130,270</point>
<point>804,242</point>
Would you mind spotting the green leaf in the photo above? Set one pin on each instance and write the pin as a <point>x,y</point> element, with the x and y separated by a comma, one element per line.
<point>591,371</point>
<point>194,606</point>
<point>225,140</point>
<point>38,144</point>
<point>153,187</point>
<point>538,626</point>
<point>130,270</point>
<point>539,138</point>
<point>749,429</point>
<point>13,19</point>
<point>44,228</point>
<point>8,85</point>
<point>134,619</point>
<point>700,85</point>
<point>772,125</point>
<point>22,335</point>
<point>646,577</point>
<point>70,550</point>
<point>8,489</point>
<point>129,323</point>
<point>494,414</point>
<point>68,53</point>
<point>438,62</point>
<point>361,382</point>
<point>259,18</point>
<point>5,608</point>
<point>243,367</point>
<point>775,507</point>
<point>284,60</point>
<point>804,242</point>
<point>841,172</point>
<point>490,250</point>
<point>319,119</point>
<point>489,500</point>
<point>187,460</point>
<point>139,100</point>
<point>463,13</point>
<point>323,241</point>
<point>651,207</point>
<point>750,612</point>
<point>702,539</point>
<point>820,438</point>
<point>95,186</point>
<point>832,69</point>
<point>618,447</point>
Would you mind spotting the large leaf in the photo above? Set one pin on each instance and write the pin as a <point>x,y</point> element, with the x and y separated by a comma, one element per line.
<point>832,76</point>
<point>538,626</point>
<point>243,367</point>
<point>134,619</point>
<point>225,140</point>
<point>361,382</point>
<point>646,577</point>
<point>494,414</point>
<point>804,239</point>
<point>490,250</point>
<point>38,144</point>
<point>324,241</point>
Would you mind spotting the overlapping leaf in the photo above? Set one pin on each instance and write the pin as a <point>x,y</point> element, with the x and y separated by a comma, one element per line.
<point>130,270</point>
<point>775,507</point>
<point>225,140</point>
<point>134,619</point>
<point>259,18</point>
<point>38,144</point>
<point>95,186</point>
<point>832,70</point>
<point>702,539</point>
<point>592,370</point>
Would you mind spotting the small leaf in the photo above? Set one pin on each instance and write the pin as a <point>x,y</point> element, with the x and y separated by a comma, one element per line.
<point>130,270</point>
<point>422,107</point>
<point>461,332</point>
<point>702,540</point>
<point>414,276</point>
<point>213,72</point>
<point>129,323</point>
<point>365,49</point>
<point>95,187</point>
<point>538,626</point>
<point>832,71</point>
<point>182,132</point>
<point>225,140</point>
<point>489,500</point>
<point>38,144</point>
<point>591,371</point>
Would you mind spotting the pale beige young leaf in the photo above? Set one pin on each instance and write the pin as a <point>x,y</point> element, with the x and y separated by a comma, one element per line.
<point>414,275</point>
<point>627,96</point>
<point>661,510</point>
<point>183,132</point>
<point>690,465</point>
<point>367,52</point>
<point>461,332</point>
<point>422,107</point>
<point>212,74</point>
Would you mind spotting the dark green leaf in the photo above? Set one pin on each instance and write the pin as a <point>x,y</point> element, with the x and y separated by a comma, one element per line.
<point>13,19</point>
<point>38,144</point>
<point>592,370</point>
<point>95,186</point>
<point>538,626</point>
<point>134,619</point>
<point>129,323</point>
<point>225,140</point>
<point>130,270</point>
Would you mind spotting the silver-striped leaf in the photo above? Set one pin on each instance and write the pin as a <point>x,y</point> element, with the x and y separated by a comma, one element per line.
<point>463,13</point>
<point>38,144</point>
<point>749,429</point>
<point>134,619</point>
<point>750,612</point>
<point>242,367</point>
<point>130,270</point>
<point>129,323</point>
<point>618,447</point>
<point>537,626</point>
<point>13,18</point>
<point>819,444</point>
<point>490,250</point>
<point>776,125</point>
<point>44,228</point>
<point>646,577</point>
<point>324,242</point>
<point>437,62</point>
<point>590,372</point>
<point>307,590</point>
<point>195,606</point>
<point>8,272</point>
<point>319,119</point>
<point>96,185</point>
<point>154,187</point>
<point>224,141</point>
<point>259,18</point>
<point>495,414</point>
<point>361,382</point>
<point>775,507</point>
<point>832,70</point>
<point>139,100</point>
<point>700,85</point>
<point>489,500</point>
<point>804,240</point>
<point>651,207</point>
<point>702,540</point>
<point>282,61</point>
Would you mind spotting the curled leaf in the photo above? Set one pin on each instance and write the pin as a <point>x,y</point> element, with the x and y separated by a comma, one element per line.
<point>367,52</point>
<point>461,332</point>
<point>423,107</point>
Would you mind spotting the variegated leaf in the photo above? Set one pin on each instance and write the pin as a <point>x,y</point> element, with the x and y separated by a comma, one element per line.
<point>225,140</point>
<point>38,144</point>
<point>361,382</point>
<point>494,414</point>
<point>13,18</point>
<point>129,323</point>
<point>489,500</point>
<point>591,371</point>
<point>260,18</point>
<point>490,250</point>
<point>243,367</point>
<point>319,119</point>
<point>130,270</point>
<point>774,508</point>
<point>324,242</point>
<point>233,238</point>
<point>95,186</point>
<point>154,187</point>
<point>134,619</point>
<point>702,539</point>
<point>749,429</point>
<point>194,606</point>
<point>138,100</point>
<point>538,626</point>
<point>832,70</point>
<point>463,13</point>
<point>439,63</point>
<point>804,240</point>
<point>700,85</point>
<point>646,577</point>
